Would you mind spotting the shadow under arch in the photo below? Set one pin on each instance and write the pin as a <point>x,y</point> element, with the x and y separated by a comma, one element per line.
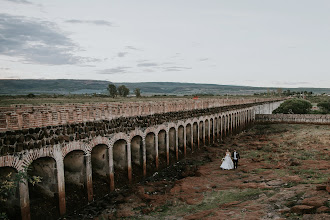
<point>137,158</point>
<point>44,195</point>
<point>75,179</point>
<point>100,170</point>
<point>120,163</point>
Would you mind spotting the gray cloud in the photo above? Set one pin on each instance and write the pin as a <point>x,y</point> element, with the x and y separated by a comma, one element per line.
<point>176,68</point>
<point>132,48</point>
<point>147,64</point>
<point>36,41</point>
<point>2,68</point>
<point>116,70</point>
<point>19,1</point>
<point>122,54</point>
<point>95,22</point>
<point>290,83</point>
<point>203,59</point>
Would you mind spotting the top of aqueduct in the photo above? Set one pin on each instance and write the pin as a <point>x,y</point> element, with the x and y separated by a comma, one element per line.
<point>18,117</point>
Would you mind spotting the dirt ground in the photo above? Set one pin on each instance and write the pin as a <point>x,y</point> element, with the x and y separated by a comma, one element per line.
<point>284,173</point>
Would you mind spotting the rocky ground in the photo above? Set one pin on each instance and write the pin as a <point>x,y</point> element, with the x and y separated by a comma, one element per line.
<point>283,174</point>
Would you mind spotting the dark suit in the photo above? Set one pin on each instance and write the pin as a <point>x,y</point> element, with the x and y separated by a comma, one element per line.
<point>235,161</point>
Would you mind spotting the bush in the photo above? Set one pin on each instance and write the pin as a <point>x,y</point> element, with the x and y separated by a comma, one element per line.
<point>294,106</point>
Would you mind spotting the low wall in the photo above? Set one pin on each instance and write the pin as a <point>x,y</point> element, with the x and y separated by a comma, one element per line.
<point>293,118</point>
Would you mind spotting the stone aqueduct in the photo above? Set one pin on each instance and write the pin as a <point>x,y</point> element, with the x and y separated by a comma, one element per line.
<point>84,143</point>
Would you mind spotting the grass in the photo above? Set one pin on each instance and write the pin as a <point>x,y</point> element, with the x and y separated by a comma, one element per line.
<point>211,200</point>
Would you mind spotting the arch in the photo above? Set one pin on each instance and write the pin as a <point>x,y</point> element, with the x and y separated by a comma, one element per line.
<point>75,178</point>
<point>11,161</point>
<point>44,195</point>
<point>97,141</point>
<point>162,146</point>
<point>150,141</point>
<point>75,146</point>
<point>173,153</point>
<point>137,150</point>
<point>118,136</point>
<point>189,138</point>
<point>120,161</point>
<point>195,135</point>
<point>207,131</point>
<point>181,140</point>
<point>100,169</point>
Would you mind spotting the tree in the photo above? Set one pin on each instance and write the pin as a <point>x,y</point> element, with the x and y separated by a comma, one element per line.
<point>123,91</point>
<point>112,90</point>
<point>324,106</point>
<point>137,92</point>
<point>294,106</point>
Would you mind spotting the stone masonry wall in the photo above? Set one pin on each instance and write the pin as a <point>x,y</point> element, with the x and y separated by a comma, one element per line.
<point>293,118</point>
<point>19,117</point>
<point>14,141</point>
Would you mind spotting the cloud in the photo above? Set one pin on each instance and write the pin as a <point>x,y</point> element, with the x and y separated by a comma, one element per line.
<point>2,68</point>
<point>37,41</point>
<point>95,22</point>
<point>122,54</point>
<point>176,68</point>
<point>19,1</point>
<point>132,48</point>
<point>203,59</point>
<point>116,70</point>
<point>147,64</point>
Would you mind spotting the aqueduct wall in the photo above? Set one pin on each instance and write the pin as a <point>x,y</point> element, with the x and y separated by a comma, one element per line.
<point>293,118</point>
<point>75,152</point>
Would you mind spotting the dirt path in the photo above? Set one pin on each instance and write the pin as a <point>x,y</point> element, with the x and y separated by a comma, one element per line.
<point>283,174</point>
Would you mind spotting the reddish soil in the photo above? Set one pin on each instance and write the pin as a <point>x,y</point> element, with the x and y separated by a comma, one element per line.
<point>283,174</point>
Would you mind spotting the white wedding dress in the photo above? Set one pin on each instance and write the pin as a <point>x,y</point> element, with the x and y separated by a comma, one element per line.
<point>227,163</point>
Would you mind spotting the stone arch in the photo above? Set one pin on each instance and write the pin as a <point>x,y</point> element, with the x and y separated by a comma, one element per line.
<point>172,137</point>
<point>151,151</point>
<point>75,145</point>
<point>97,141</point>
<point>75,175</point>
<point>121,159</point>
<point>189,136</point>
<point>34,154</point>
<point>45,194</point>
<point>118,136</point>
<point>138,149</point>
<point>11,161</point>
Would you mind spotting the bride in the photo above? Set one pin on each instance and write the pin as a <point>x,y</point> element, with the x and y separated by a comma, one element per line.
<point>227,163</point>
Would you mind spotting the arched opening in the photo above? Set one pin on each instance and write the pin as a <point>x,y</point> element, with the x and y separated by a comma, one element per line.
<point>44,195</point>
<point>120,163</point>
<point>181,141</point>
<point>137,157</point>
<point>201,135</point>
<point>216,129</point>
<point>227,125</point>
<point>207,134</point>
<point>211,130</point>
<point>172,141</point>
<point>188,139</point>
<point>100,170</point>
<point>151,153</point>
<point>10,204</point>
<point>75,180</point>
<point>162,155</point>
<point>195,135</point>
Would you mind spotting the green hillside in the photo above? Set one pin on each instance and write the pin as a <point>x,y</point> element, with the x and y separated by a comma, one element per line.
<point>69,86</point>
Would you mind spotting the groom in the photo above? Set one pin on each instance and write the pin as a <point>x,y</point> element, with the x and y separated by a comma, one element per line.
<point>235,156</point>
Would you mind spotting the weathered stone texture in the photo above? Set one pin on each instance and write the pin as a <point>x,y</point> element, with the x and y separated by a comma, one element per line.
<point>293,118</point>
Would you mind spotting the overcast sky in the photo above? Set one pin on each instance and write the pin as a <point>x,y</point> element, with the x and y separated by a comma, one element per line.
<point>280,43</point>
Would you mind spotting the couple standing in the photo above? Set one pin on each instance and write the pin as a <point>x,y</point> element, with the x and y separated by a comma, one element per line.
<point>227,162</point>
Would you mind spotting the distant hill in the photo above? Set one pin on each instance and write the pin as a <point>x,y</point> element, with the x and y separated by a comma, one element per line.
<point>70,86</point>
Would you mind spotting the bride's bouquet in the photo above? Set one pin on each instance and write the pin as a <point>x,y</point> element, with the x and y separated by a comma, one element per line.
<point>222,159</point>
